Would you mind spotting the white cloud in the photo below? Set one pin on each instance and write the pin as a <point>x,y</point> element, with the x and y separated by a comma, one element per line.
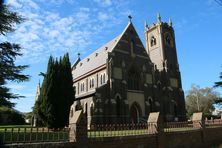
<point>104,3</point>
<point>59,2</point>
<point>28,95</point>
<point>16,87</point>
<point>48,32</point>
<point>103,16</point>
<point>14,3</point>
<point>33,4</point>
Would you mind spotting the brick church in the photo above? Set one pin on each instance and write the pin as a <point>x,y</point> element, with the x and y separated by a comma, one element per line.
<point>123,81</point>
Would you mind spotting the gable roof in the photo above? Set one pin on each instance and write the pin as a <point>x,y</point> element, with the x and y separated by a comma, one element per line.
<point>97,58</point>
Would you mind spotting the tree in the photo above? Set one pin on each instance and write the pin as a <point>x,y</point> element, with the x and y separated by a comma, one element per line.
<point>42,106</point>
<point>10,116</point>
<point>219,83</point>
<point>56,94</point>
<point>8,53</point>
<point>200,100</point>
<point>65,90</point>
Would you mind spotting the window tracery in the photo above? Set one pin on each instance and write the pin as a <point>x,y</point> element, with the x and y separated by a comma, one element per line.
<point>133,80</point>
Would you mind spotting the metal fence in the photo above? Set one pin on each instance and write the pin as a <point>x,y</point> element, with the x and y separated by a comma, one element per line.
<point>29,135</point>
<point>178,126</point>
<point>113,130</point>
<point>213,123</point>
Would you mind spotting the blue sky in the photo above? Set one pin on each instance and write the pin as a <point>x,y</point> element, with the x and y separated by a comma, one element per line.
<point>54,27</point>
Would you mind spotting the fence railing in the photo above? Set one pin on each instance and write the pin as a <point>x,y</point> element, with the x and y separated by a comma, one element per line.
<point>113,130</point>
<point>178,126</point>
<point>29,135</point>
<point>213,123</point>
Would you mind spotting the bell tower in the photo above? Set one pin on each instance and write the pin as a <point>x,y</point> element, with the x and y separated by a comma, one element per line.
<point>160,45</point>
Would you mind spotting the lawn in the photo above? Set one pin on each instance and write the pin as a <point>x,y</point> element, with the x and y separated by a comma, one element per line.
<point>13,126</point>
<point>94,134</point>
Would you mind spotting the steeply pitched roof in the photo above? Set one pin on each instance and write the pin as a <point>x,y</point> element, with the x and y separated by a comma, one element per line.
<point>97,58</point>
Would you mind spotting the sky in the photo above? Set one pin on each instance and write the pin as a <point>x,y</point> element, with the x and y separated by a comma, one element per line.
<point>54,27</point>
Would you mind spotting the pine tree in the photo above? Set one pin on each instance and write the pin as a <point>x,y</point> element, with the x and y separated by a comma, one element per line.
<point>8,53</point>
<point>219,83</point>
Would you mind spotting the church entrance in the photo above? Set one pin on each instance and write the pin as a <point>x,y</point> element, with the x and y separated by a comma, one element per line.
<point>135,113</point>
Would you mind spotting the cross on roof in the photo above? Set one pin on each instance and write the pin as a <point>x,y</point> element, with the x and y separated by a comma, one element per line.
<point>130,18</point>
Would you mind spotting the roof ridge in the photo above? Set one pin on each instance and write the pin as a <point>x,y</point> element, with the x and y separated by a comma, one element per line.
<point>104,45</point>
<point>117,38</point>
<point>97,57</point>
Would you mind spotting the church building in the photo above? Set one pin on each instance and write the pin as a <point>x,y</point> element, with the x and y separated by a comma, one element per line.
<point>123,81</point>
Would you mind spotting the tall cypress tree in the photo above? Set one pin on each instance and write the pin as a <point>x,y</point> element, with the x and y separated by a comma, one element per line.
<point>57,94</point>
<point>68,89</point>
<point>43,106</point>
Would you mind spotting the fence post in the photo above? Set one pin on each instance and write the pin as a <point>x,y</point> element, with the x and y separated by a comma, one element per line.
<point>154,123</point>
<point>198,120</point>
<point>199,123</point>
<point>78,127</point>
<point>155,127</point>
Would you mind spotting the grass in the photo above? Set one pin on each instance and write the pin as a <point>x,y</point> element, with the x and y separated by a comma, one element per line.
<point>8,137</point>
<point>180,129</point>
<point>14,126</point>
<point>213,126</point>
<point>94,134</point>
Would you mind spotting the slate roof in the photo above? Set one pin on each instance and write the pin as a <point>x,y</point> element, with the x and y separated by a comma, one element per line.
<point>97,58</point>
<point>94,60</point>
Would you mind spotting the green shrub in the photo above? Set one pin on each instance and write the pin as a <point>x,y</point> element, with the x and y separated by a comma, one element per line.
<point>10,116</point>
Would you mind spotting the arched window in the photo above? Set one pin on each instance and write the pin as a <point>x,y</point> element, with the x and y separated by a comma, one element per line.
<point>132,45</point>
<point>168,39</point>
<point>133,80</point>
<point>101,79</point>
<point>91,83</point>
<point>78,87</point>
<point>175,109</point>
<point>82,88</point>
<point>91,110</point>
<point>104,78</point>
<point>86,110</point>
<point>153,41</point>
<point>173,106</point>
<point>71,113</point>
<point>118,109</point>
<point>151,105</point>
